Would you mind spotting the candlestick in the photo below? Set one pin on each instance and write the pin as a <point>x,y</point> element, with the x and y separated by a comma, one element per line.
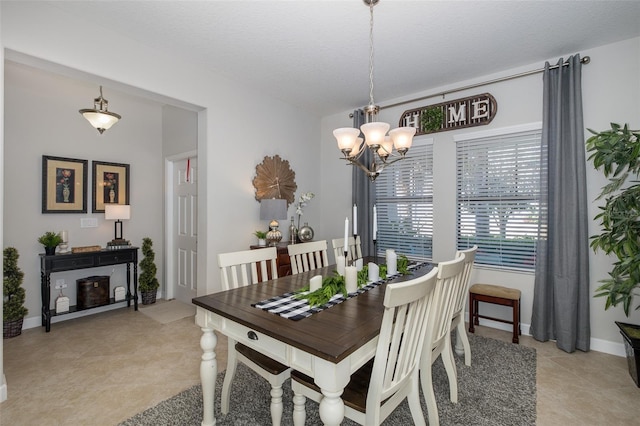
<point>346,234</point>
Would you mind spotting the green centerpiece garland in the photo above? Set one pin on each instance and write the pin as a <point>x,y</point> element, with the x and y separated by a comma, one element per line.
<point>335,283</point>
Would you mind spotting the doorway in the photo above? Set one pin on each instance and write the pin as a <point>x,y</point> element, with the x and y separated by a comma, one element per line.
<point>182,227</point>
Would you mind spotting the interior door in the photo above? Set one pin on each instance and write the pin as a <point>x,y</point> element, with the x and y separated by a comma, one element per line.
<point>185,229</point>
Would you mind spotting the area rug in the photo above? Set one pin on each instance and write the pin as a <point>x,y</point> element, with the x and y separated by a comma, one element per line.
<point>166,312</point>
<point>498,389</point>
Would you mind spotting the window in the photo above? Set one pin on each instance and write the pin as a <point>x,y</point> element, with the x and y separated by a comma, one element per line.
<point>404,204</point>
<point>498,195</point>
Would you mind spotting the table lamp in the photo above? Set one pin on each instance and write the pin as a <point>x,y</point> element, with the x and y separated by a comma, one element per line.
<point>273,209</point>
<point>117,212</point>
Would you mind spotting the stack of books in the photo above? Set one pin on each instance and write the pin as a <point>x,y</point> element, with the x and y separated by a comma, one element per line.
<point>117,244</point>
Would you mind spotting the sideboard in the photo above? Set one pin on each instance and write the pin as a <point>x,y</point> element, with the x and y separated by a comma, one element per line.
<point>70,261</point>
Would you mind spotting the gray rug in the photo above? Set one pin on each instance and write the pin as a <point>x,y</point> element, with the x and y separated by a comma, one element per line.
<point>498,389</point>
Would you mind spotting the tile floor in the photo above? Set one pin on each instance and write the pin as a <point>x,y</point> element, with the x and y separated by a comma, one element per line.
<point>104,368</point>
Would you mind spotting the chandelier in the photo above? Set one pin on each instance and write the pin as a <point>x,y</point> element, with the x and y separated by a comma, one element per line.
<point>375,132</point>
<point>99,116</point>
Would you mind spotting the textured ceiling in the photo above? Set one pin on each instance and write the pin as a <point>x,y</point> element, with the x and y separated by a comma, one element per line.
<point>315,54</point>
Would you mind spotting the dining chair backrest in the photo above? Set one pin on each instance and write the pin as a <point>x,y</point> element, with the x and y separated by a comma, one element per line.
<point>354,249</point>
<point>241,268</point>
<point>436,342</point>
<point>404,326</point>
<point>463,289</point>
<point>308,256</point>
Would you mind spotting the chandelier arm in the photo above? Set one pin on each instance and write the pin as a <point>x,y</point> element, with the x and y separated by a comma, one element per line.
<point>371,102</point>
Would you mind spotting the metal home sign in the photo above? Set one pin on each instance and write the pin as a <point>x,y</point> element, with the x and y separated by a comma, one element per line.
<point>473,111</point>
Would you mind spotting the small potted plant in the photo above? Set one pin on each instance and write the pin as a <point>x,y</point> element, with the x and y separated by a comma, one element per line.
<point>148,283</point>
<point>13,312</point>
<point>50,240</point>
<point>261,236</point>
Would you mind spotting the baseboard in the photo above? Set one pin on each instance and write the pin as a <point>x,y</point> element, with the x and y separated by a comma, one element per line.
<point>598,345</point>
<point>3,389</point>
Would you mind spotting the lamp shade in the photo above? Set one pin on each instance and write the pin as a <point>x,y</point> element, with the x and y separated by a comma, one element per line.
<point>117,211</point>
<point>273,208</point>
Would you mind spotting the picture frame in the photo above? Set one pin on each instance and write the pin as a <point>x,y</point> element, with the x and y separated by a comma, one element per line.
<point>64,185</point>
<point>110,184</point>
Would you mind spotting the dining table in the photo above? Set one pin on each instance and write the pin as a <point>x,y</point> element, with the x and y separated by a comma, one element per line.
<point>328,345</point>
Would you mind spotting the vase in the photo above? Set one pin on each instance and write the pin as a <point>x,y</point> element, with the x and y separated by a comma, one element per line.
<point>293,232</point>
<point>112,196</point>
<point>66,192</point>
<point>305,233</point>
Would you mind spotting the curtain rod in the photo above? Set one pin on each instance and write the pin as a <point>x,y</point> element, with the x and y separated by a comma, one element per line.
<point>584,60</point>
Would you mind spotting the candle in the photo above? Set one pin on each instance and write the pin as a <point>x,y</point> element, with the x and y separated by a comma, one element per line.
<point>315,283</point>
<point>351,279</point>
<point>355,219</point>
<point>373,272</point>
<point>65,236</point>
<point>346,234</point>
<point>375,222</point>
<point>392,262</point>
<point>340,264</point>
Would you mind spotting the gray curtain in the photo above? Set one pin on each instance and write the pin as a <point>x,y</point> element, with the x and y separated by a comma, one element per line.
<point>363,194</point>
<point>561,293</point>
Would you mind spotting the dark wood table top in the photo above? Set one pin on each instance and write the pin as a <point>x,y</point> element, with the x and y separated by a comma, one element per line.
<point>332,334</point>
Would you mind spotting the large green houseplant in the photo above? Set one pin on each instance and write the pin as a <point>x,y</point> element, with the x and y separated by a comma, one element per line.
<point>13,310</point>
<point>148,283</point>
<point>617,153</point>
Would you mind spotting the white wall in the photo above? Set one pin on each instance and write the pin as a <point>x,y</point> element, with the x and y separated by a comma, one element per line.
<point>3,380</point>
<point>610,93</point>
<point>62,132</point>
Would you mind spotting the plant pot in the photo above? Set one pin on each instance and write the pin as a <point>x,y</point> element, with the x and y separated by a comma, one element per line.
<point>631,337</point>
<point>148,297</point>
<point>262,242</point>
<point>12,328</point>
<point>49,251</point>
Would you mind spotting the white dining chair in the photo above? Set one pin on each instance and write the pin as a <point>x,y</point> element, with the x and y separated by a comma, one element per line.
<point>450,275</point>
<point>457,318</point>
<point>354,249</point>
<point>308,256</point>
<point>239,269</point>
<point>380,385</point>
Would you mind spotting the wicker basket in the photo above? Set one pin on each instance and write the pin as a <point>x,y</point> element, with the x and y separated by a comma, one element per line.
<point>148,298</point>
<point>12,329</point>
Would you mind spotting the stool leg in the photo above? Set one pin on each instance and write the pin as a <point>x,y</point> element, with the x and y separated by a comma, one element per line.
<point>516,321</point>
<point>471,313</point>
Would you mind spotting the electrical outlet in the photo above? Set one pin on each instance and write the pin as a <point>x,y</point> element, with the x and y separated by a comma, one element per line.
<point>60,283</point>
<point>88,222</point>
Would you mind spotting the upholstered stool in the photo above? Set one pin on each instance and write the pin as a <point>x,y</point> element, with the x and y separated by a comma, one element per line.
<point>494,294</point>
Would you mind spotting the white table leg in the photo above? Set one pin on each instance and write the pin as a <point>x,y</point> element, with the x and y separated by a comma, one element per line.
<point>208,372</point>
<point>331,408</point>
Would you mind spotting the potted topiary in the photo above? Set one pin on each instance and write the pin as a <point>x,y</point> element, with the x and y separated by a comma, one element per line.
<point>617,152</point>
<point>50,240</point>
<point>148,283</point>
<point>13,307</point>
<point>261,236</point>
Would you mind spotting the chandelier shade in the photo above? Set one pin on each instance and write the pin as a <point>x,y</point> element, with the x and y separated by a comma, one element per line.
<point>99,116</point>
<point>374,131</point>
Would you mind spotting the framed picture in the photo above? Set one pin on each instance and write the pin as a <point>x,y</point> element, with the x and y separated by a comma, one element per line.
<point>64,185</point>
<point>110,184</point>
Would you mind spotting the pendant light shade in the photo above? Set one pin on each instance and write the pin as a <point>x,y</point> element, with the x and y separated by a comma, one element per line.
<point>99,116</point>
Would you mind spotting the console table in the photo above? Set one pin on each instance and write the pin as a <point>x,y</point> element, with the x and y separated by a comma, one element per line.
<point>94,259</point>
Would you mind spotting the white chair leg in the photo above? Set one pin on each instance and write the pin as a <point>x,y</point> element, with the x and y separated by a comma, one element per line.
<point>429,396</point>
<point>299,413</point>
<point>414,402</point>
<point>230,372</point>
<point>462,340</point>
<point>450,367</point>
<point>276,405</point>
